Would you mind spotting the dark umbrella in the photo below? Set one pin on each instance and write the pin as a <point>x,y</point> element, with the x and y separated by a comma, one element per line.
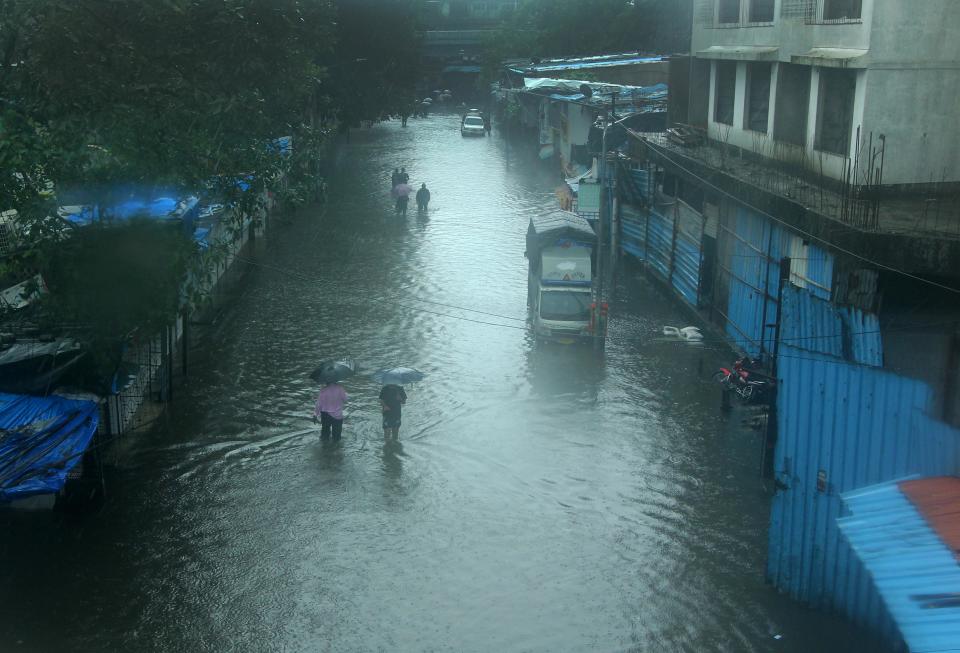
<point>398,376</point>
<point>333,371</point>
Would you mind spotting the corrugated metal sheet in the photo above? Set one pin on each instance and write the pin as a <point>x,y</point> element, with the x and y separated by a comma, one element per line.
<point>633,231</point>
<point>842,426</point>
<point>910,566</point>
<point>866,343</point>
<point>815,324</point>
<point>660,241</point>
<point>752,266</point>
<point>687,254</point>
<point>810,323</point>
<point>750,258</point>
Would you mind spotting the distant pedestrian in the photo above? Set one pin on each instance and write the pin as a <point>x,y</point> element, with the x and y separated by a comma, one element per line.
<point>329,409</point>
<point>392,399</point>
<point>423,198</point>
<point>395,179</point>
<point>403,177</point>
<point>486,123</point>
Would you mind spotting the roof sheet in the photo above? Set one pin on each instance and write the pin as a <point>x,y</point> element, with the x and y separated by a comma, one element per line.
<point>545,230</point>
<point>912,569</point>
<point>581,64</point>
<point>938,500</point>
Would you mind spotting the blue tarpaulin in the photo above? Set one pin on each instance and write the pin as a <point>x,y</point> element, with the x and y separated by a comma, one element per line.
<point>41,440</point>
<point>166,207</point>
<point>282,146</point>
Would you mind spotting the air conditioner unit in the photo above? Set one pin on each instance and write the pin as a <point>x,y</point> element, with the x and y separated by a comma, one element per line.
<point>9,231</point>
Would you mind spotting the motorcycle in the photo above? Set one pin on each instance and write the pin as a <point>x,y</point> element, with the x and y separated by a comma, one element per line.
<point>746,381</point>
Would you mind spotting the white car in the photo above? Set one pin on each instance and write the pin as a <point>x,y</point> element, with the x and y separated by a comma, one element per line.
<point>472,126</point>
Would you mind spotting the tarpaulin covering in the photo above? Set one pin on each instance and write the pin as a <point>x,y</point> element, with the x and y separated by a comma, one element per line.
<point>545,230</point>
<point>41,440</point>
<point>585,64</point>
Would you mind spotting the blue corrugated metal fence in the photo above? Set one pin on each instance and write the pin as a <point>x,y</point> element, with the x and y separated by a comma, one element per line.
<point>752,247</point>
<point>841,426</point>
<point>668,238</point>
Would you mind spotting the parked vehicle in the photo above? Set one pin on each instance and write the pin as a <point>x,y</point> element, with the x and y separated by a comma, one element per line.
<point>560,279</point>
<point>472,125</point>
<point>747,381</point>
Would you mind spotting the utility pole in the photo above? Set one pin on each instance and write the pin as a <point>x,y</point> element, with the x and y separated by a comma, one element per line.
<point>598,328</point>
<point>599,310</point>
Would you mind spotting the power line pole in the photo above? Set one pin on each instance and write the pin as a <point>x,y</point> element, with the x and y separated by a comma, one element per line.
<point>598,302</point>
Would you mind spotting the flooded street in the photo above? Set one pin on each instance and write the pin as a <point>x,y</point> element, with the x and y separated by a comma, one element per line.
<point>539,498</point>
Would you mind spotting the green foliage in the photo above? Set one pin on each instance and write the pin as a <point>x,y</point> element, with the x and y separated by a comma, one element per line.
<point>556,28</point>
<point>375,67</point>
<point>110,96</point>
<point>111,281</point>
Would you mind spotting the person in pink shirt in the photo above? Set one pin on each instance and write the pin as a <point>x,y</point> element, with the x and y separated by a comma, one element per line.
<point>329,408</point>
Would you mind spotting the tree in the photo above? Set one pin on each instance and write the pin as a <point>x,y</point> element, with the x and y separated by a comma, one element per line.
<point>557,28</point>
<point>375,67</point>
<point>119,96</point>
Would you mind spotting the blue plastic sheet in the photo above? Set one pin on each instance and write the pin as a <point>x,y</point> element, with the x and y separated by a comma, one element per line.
<point>41,440</point>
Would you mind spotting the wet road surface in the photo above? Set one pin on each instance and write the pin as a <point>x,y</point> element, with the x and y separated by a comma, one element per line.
<point>539,499</point>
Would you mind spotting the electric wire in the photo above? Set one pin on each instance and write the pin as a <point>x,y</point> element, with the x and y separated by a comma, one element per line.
<point>812,236</point>
<point>302,277</point>
<point>738,341</point>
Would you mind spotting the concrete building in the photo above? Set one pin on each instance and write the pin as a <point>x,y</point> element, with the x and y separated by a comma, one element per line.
<point>809,81</point>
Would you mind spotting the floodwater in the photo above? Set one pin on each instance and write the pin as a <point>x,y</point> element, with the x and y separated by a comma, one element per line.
<point>539,499</point>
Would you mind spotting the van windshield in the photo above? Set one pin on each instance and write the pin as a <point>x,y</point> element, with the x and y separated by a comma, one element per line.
<point>473,121</point>
<point>565,305</point>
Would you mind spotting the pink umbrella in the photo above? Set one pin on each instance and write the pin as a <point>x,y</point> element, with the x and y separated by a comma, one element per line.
<point>401,190</point>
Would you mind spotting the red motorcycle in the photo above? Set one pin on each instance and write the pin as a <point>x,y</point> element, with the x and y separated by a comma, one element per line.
<point>746,380</point>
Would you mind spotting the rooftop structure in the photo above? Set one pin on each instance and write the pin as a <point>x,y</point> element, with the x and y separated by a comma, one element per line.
<point>630,68</point>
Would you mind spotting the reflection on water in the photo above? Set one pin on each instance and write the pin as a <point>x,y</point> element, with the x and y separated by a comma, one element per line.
<point>392,459</point>
<point>541,498</point>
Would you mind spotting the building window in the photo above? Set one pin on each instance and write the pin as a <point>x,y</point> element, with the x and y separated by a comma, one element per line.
<point>842,9</point>
<point>725,90</point>
<point>793,100</point>
<point>757,106</point>
<point>761,11</point>
<point>728,11</point>
<point>835,110</point>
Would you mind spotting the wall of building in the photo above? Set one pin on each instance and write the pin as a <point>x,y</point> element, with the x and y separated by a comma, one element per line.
<point>790,31</point>
<point>916,110</point>
<point>916,34</point>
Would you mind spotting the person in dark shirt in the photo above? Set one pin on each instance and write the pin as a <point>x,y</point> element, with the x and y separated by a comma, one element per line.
<point>423,198</point>
<point>392,398</point>
<point>403,177</point>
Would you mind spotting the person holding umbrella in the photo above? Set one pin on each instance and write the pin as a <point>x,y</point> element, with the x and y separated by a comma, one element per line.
<point>392,399</point>
<point>328,407</point>
<point>402,192</point>
<point>392,396</point>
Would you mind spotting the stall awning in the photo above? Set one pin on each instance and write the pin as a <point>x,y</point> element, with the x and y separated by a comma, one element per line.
<point>907,534</point>
<point>41,440</point>
<point>740,52</point>
<point>835,57</point>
